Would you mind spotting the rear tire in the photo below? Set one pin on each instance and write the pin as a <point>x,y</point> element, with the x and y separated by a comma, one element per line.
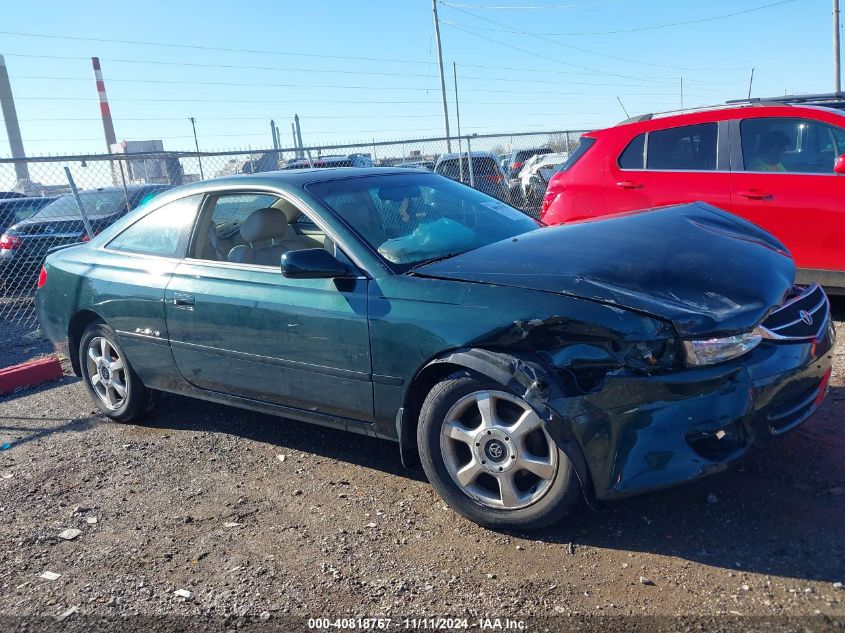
<point>111,382</point>
<point>486,453</point>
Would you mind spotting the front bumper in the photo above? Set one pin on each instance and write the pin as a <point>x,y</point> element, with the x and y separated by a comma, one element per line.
<point>679,427</point>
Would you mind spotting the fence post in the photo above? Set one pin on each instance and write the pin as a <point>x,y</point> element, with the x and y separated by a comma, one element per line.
<point>79,204</point>
<point>469,160</point>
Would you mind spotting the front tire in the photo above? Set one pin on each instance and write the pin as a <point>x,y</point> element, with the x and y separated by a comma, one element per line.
<point>486,452</point>
<point>111,382</point>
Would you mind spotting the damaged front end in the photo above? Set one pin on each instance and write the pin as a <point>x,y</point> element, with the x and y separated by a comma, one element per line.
<point>633,414</point>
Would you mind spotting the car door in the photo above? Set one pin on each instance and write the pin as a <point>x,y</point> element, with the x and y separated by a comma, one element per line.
<point>127,278</point>
<point>668,166</point>
<point>245,330</point>
<point>783,181</point>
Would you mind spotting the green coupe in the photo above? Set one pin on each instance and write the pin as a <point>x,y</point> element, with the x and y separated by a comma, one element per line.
<point>523,366</point>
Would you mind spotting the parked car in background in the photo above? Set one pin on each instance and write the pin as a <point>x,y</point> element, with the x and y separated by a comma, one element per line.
<point>428,165</point>
<point>519,157</point>
<point>11,194</point>
<point>534,179</point>
<point>351,160</point>
<point>24,245</point>
<point>779,165</point>
<point>479,170</point>
<point>13,210</point>
<point>522,366</point>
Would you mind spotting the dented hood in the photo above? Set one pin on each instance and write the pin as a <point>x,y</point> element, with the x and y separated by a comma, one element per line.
<point>705,270</point>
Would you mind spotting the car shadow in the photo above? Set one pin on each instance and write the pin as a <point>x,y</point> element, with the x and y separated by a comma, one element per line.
<point>778,512</point>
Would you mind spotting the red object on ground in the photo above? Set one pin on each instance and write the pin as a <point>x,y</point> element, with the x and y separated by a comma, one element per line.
<point>29,374</point>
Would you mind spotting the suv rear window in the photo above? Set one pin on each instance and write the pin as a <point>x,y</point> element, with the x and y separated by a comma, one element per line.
<point>481,166</point>
<point>689,147</point>
<point>585,143</point>
<point>634,155</point>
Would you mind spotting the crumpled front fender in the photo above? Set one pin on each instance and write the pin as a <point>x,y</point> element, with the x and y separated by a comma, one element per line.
<point>529,380</point>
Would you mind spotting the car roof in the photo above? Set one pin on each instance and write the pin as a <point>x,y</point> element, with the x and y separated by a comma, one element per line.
<point>296,177</point>
<point>474,154</point>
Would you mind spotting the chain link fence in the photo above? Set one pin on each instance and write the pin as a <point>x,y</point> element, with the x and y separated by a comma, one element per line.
<point>47,202</point>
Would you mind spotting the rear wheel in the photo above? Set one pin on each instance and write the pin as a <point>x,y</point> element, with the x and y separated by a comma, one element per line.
<point>111,382</point>
<point>486,452</point>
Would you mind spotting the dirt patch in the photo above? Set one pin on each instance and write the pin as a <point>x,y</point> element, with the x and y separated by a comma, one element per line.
<point>198,499</point>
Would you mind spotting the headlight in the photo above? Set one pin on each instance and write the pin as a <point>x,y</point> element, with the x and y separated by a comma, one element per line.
<point>717,350</point>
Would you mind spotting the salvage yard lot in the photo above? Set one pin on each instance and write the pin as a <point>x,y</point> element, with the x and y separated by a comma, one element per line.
<point>198,498</point>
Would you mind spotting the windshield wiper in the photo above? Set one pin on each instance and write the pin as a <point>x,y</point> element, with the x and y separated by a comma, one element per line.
<point>439,258</point>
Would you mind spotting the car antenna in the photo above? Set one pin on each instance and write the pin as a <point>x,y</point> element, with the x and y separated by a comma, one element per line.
<point>623,107</point>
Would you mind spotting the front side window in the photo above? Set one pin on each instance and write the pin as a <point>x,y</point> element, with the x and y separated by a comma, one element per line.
<point>411,218</point>
<point>253,228</point>
<point>685,148</point>
<point>790,145</point>
<point>162,232</point>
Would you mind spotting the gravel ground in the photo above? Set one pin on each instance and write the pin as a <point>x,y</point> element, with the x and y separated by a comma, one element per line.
<point>261,517</point>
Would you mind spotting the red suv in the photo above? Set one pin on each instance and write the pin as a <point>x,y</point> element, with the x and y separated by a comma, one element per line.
<point>780,165</point>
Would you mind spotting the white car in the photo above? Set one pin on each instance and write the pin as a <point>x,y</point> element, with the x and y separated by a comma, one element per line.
<point>536,173</point>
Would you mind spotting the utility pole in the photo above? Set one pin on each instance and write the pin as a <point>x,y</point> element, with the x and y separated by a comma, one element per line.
<point>442,77</point>
<point>458,116</point>
<point>197,145</point>
<point>273,134</point>
<point>750,83</point>
<point>837,54</point>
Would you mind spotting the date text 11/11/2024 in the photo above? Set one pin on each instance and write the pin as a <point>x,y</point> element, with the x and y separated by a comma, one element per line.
<point>416,624</point>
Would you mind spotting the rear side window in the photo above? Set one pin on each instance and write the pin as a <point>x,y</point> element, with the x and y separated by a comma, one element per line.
<point>690,148</point>
<point>163,232</point>
<point>585,143</point>
<point>634,155</point>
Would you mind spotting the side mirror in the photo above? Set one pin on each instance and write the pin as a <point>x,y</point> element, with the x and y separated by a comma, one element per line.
<point>839,165</point>
<point>312,263</point>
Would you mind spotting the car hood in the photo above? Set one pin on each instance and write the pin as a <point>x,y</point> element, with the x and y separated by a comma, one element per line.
<point>706,271</point>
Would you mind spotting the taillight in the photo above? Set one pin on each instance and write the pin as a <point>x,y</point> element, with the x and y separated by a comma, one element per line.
<point>85,237</point>
<point>517,165</point>
<point>42,277</point>
<point>495,178</point>
<point>10,242</point>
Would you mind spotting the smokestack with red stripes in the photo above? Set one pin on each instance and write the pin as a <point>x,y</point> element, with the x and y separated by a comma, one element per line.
<point>108,126</point>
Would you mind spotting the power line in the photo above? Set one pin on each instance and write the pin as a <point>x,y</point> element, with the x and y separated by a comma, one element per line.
<point>540,7</point>
<point>637,29</point>
<point>321,86</point>
<point>211,48</point>
<point>498,69</point>
<point>578,48</point>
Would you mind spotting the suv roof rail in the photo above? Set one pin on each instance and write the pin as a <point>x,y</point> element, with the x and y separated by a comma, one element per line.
<point>656,115</point>
<point>817,99</point>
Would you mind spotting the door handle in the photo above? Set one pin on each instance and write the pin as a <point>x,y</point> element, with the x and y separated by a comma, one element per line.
<point>628,184</point>
<point>183,300</point>
<point>755,194</point>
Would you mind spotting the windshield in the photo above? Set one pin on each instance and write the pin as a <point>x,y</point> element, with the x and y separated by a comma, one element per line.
<point>412,218</point>
<point>97,204</point>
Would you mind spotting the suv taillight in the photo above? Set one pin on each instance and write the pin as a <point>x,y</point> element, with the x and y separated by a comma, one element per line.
<point>42,277</point>
<point>10,242</point>
<point>85,237</point>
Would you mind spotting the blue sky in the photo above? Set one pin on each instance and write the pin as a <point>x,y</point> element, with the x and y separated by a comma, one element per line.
<point>363,70</point>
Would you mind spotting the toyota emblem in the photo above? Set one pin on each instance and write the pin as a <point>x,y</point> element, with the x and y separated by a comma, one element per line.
<point>806,317</point>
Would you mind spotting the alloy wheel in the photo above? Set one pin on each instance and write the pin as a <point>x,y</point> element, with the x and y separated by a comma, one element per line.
<point>107,373</point>
<point>496,450</point>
